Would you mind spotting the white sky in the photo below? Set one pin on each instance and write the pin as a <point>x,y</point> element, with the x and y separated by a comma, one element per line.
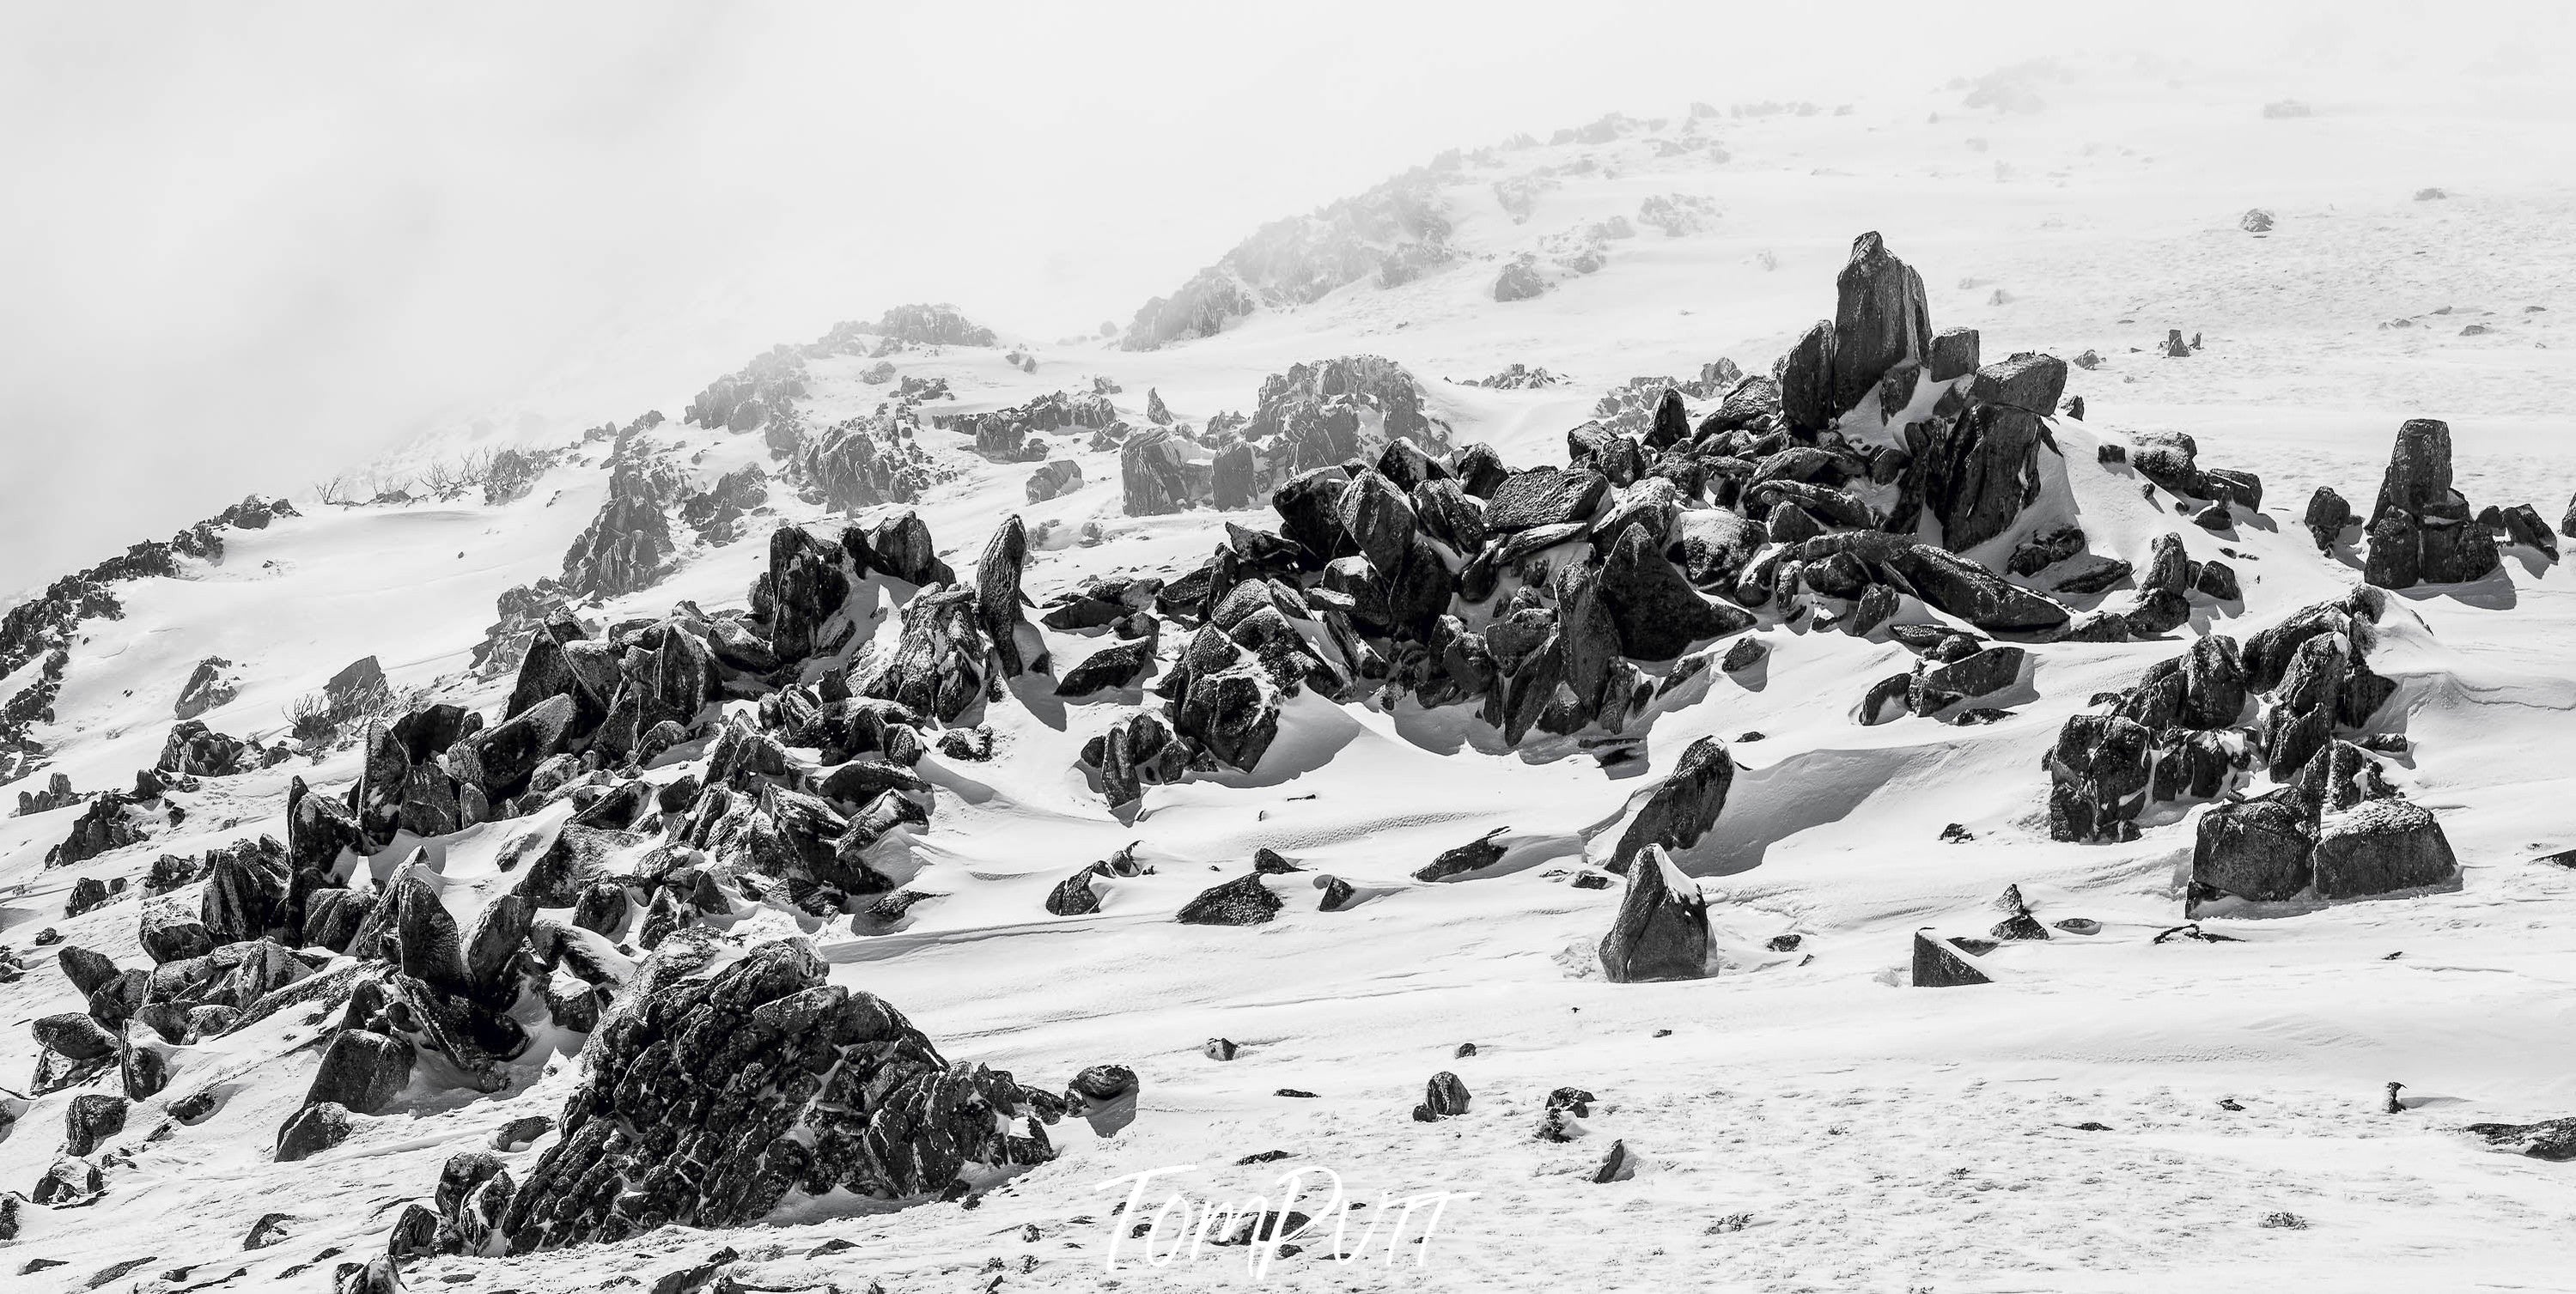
<point>248,245</point>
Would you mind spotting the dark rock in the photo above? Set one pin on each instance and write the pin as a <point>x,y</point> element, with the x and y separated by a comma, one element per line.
<point>1544,497</point>
<point>270,1229</point>
<point>998,598</point>
<point>1953,355</point>
<point>1979,470</point>
<point>1684,806</point>
<point>1661,930</point>
<point>2550,1139</point>
<point>1477,854</point>
<point>2339,777</point>
<point>806,589</point>
<point>690,1094</point>
<point>91,1119</point>
<point>1243,901</point>
<point>2028,381</point>
<point>1445,1096</point>
<point>1116,666</point>
<point>1881,321</point>
<point>310,1131</point>
<point>2327,517</point>
<point>1887,700</point>
<point>1945,581</point>
<point>172,932</point>
<point>1982,673</point>
<point>1938,963</point>
<point>2420,528</point>
<point>2380,846</point>
<point>2159,611</point>
<point>1656,613</point>
<point>2257,849</point>
<point>2522,525</point>
<point>2098,775</point>
<point>361,1072</point>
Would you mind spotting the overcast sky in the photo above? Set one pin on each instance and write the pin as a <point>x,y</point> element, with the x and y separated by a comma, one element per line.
<point>249,245</point>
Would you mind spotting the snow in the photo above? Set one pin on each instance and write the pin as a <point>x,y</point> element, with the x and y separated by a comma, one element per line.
<point>1868,1136</point>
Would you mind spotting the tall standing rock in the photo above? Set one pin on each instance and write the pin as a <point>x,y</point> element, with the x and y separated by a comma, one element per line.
<point>1661,932</point>
<point>2422,530</point>
<point>997,594</point>
<point>1881,320</point>
<point>804,590</point>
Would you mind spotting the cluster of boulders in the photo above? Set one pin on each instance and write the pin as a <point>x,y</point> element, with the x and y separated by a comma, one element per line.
<point>744,400</point>
<point>1383,561</point>
<point>1517,377</point>
<point>1013,434</point>
<point>921,324</point>
<point>717,513</point>
<point>1311,416</point>
<point>244,930</point>
<point>58,794</point>
<point>1630,409</point>
<point>864,461</point>
<point>715,1093</point>
<point>2420,530</point>
<point>628,546</point>
<point>512,474</point>
<point>193,750</point>
<point>113,821</point>
<point>2195,725</point>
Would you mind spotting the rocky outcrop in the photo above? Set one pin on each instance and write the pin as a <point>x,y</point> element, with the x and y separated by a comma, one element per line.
<point>2194,725</point>
<point>628,544</point>
<point>1243,901</point>
<point>2420,529</point>
<point>712,1099</point>
<point>931,325</point>
<point>210,685</point>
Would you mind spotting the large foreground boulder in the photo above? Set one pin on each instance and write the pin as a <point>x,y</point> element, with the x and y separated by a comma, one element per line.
<point>711,1100</point>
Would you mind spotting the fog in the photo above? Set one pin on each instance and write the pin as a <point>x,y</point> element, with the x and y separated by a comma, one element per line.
<point>250,246</point>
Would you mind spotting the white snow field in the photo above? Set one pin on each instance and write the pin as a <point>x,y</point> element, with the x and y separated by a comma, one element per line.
<point>1799,1120</point>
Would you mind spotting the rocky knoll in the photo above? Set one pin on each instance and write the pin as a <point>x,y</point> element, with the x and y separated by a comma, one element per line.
<point>1310,417</point>
<point>717,1093</point>
<point>1392,233</point>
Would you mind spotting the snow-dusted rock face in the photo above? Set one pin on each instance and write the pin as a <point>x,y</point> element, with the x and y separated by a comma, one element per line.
<point>1226,726</point>
<point>718,1095</point>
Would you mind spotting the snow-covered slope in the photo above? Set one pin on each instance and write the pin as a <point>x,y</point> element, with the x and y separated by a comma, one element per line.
<point>2117,1111</point>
